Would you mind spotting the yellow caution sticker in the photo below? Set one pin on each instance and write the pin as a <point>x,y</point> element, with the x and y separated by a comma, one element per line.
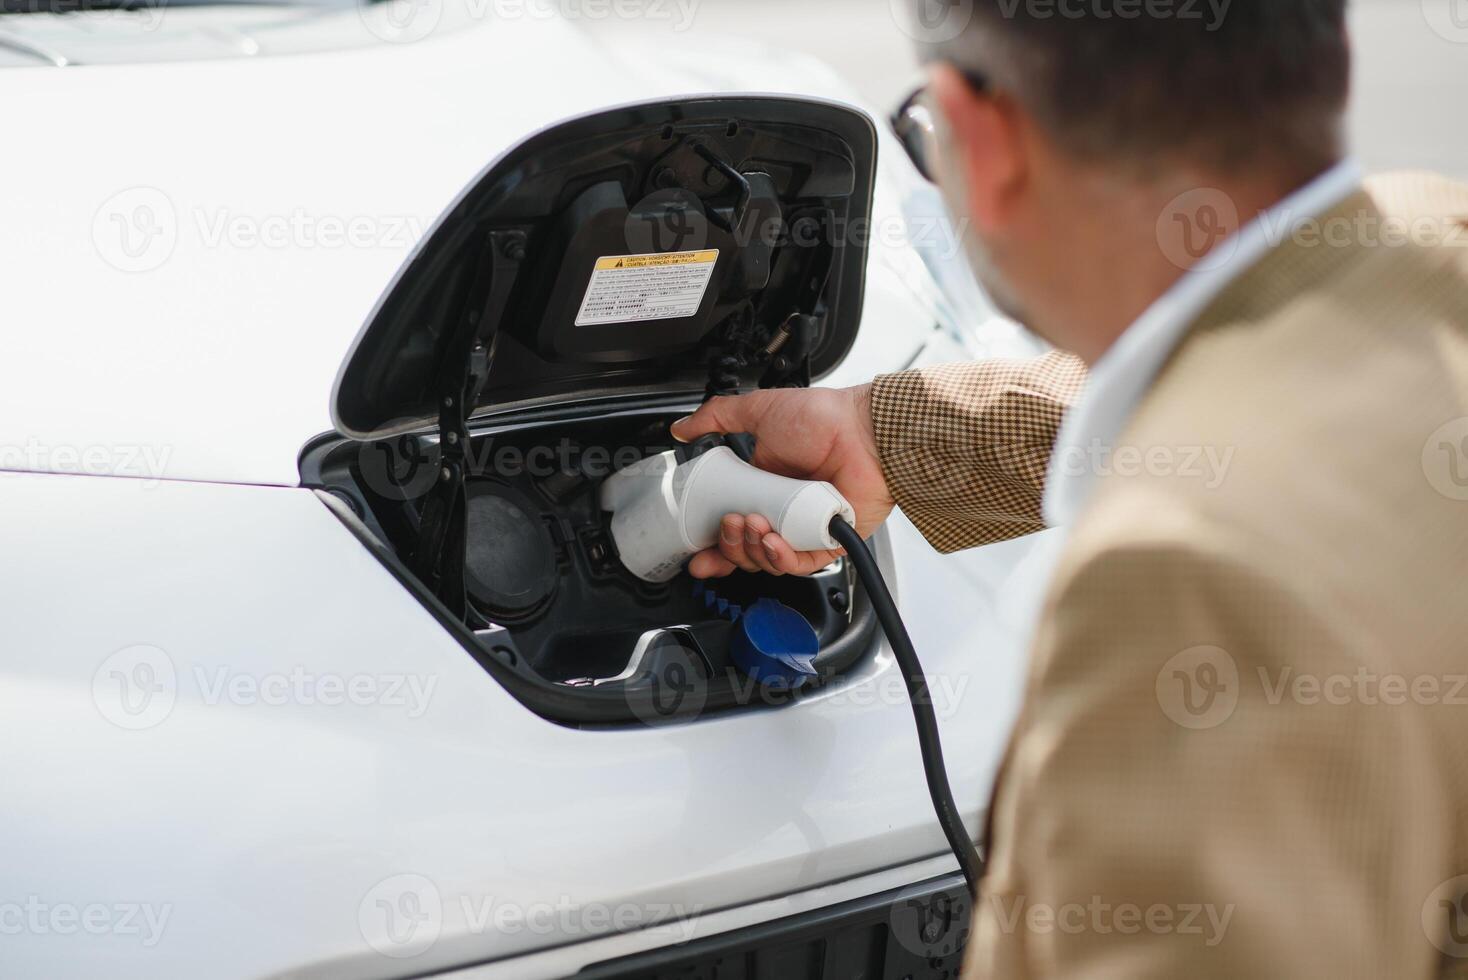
<point>661,286</point>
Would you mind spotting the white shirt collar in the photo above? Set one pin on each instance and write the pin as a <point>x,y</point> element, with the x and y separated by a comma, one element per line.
<point>1124,373</point>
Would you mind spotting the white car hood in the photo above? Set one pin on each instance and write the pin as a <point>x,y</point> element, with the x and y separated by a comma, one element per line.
<point>192,246</point>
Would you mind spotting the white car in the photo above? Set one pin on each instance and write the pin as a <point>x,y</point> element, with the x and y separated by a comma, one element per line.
<point>278,290</point>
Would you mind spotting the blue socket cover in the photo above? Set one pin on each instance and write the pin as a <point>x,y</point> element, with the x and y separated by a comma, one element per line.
<point>770,642</point>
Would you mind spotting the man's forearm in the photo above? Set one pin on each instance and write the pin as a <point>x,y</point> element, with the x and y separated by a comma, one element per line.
<point>965,447</point>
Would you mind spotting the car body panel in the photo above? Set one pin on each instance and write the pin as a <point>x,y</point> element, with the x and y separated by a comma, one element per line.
<point>270,824</point>
<point>152,31</point>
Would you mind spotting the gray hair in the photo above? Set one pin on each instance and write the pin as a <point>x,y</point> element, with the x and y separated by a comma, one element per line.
<point>1222,84</point>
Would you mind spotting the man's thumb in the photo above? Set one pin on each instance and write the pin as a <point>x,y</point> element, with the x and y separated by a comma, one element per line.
<point>716,415</point>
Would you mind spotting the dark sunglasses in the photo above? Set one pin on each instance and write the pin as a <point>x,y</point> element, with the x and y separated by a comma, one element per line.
<point>915,123</point>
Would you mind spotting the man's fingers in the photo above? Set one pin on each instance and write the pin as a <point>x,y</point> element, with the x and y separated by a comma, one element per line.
<point>732,542</point>
<point>756,529</point>
<point>710,564</point>
<point>721,414</point>
<point>781,555</point>
<point>793,562</point>
<point>749,543</point>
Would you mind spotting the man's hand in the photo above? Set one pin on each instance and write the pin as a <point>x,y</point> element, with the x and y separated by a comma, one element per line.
<point>808,434</point>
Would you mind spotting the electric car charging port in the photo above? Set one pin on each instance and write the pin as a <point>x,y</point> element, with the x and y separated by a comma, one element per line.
<point>548,599</point>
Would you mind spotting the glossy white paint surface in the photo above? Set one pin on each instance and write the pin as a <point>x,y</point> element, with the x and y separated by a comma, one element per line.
<point>262,832</point>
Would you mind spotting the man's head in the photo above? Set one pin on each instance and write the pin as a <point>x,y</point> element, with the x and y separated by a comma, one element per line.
<point>1090,115</point>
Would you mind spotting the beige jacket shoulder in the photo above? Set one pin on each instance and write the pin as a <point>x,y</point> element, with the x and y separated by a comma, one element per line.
<point>1243,750</point>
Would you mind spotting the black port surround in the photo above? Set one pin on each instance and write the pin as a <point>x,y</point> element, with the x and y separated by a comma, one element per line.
<point>532,655</point>
<point>599,273</point>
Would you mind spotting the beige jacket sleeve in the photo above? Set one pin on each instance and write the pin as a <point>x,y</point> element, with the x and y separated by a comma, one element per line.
<point>965,447</point>
<point>1170,807</point>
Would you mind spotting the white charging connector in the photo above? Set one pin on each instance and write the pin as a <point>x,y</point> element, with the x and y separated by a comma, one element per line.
<point>664,512</point>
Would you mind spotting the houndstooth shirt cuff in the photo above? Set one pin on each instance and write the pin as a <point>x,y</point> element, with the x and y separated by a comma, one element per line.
<point>965,447</point>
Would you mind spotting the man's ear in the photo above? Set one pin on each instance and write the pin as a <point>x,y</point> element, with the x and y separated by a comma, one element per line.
<point>986,147</point>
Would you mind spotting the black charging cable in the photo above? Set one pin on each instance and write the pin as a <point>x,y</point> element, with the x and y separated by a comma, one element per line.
<point>929,744</point>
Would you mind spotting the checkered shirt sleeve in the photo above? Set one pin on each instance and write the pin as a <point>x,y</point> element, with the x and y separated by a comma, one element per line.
<point>965,447</point>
